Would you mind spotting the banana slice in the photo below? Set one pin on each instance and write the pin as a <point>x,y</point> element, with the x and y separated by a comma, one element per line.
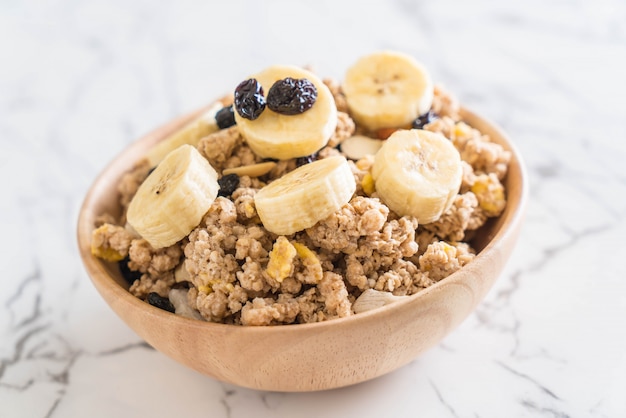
<point>306,195</point>
<point>174,197</point>
<point>418,173</point>
<point>273,135</point>
<point>191,133</point>
<point>387,90</point>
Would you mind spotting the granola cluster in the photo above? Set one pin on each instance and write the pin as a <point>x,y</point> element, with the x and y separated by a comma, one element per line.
<point>232,270</point>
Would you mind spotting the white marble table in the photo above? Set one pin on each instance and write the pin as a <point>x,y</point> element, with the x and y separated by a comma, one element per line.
<point>80,80</point>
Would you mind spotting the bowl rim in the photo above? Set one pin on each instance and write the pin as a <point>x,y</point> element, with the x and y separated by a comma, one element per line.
<point>513,217</point>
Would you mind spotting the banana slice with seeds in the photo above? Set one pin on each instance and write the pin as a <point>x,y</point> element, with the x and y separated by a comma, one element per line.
<point>387,90</point>
<point>275,135</point>
<point>172,200</point>
<point>306,195</point>
<point>191,134</point>
<point>418,173</point>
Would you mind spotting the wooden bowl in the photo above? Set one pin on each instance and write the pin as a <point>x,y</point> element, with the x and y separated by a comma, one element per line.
<point>307,357</point>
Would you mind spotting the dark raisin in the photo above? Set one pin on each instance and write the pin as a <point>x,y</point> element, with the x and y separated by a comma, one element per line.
<point>424,120</point>
<point>307,159</point>
<point>228,184</point>
<point>160,302</point>
<point>131,276</point>
<point>291,96</point>
<point>181,285</point>
<point>225,117</point>
<point>249,99</point>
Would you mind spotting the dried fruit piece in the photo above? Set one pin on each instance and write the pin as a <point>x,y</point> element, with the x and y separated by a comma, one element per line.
<point>307,159</point>
<point>100,245</point>
<point>160,302</point>
<point>291,96</point>
<point>280,264</point>
<point>249,99</point>
<point>284,137</point>
<point>131,276</point>
<point>490,194</point>
<point>384,133</point>
<point>367,184</point>
<point>225,117</point>
<point>423,120</point>
<point>228,184</point>
<point>310,261</point>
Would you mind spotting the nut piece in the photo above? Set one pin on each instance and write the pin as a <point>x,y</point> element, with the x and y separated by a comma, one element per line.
<point>359,146</point>
<point>253,170</point>
<point>181,274</point>
<point>372,299</point>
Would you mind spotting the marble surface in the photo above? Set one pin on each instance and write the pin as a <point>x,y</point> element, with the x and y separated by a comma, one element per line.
<point>80,80</point>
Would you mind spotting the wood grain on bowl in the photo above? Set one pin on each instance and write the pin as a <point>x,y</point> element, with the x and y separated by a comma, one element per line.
<point>316,356</point>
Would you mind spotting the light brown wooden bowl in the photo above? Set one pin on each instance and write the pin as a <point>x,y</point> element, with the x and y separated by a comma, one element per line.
<point>307,357</point>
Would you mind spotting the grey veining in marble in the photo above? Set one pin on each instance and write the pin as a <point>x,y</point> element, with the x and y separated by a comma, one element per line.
<point>80,80</point>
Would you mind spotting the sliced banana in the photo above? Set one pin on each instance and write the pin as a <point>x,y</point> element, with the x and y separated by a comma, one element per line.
<point>174,197</point>
<point>306,195</point>
<point>418,173</point>
<point>191,133</point>
<point>273,135</point>
<point>359,146</point>
<point>387,90</point>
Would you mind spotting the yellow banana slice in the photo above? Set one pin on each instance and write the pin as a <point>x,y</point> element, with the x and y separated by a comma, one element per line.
<point>172,200</point>
<point>273,135</point>
<point>191,133</point>
<point>387,90</point>
<point>418,173</point>
<point>306,195</point>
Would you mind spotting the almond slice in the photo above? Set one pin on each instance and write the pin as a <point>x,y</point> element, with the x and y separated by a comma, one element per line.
<point>358,146</point>
<point>253,170</point>
<point>372,299</point>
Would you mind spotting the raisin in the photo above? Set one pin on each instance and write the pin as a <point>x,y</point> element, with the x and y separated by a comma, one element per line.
<point>291,96</point>
<point>160,302</point>
<point>131,276</point>
<point>249,99</point>
<point>307,159</point>
<point>225,117</point>
<point>424,120</point>
<point>228,184</point>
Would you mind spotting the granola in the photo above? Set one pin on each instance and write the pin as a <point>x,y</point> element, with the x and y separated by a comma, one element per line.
<point>231,269</point>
